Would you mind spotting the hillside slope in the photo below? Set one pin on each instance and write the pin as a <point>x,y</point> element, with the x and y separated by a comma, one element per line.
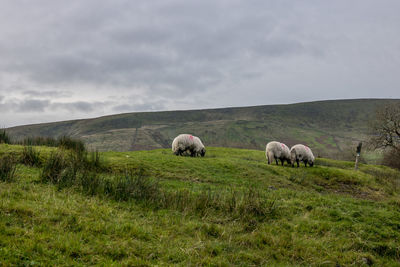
<point>326,126</point>
<point>328,215</point>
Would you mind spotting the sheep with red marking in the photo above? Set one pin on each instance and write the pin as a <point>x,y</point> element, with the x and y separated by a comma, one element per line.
<point>188,142</point>
<point>276,150</point>
<point>302,153</point>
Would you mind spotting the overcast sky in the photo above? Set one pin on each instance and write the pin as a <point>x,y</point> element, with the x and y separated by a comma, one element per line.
<point>63,60</point>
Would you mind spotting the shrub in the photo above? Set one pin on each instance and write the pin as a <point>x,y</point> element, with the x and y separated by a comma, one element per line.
<point>391,158</point>
<point>70,143</point>
<point>30,156</point>
<point>62,142</point>
<point>8,166</point>
<point>53,168</point>
<point>94,162</point>
<point>90,183</point>
<point>39,141</point>
<point>4,137</point>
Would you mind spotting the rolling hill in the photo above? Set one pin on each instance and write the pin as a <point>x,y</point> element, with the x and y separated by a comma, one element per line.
<point>326,126</point>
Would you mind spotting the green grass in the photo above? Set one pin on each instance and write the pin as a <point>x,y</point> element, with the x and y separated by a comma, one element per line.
<point>323,216</point>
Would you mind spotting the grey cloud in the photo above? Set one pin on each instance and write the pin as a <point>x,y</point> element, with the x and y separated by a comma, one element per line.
<point>33,105</point>
<point>52,93</point>
<point>80,106</point>
<point>194,54</point>
<point>40,105</point>
<point>186,38</point>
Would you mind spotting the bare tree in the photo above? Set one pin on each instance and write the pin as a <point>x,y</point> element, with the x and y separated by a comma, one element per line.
<point>386,128</point>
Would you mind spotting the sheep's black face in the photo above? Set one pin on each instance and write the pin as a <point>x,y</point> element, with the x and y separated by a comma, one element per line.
<point>203,152</point>
<point>311,163</point>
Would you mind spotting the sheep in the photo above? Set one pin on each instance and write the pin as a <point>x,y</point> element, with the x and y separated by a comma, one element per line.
<point>188,142</point>
<point>303,153</point>
<point>276,150</point>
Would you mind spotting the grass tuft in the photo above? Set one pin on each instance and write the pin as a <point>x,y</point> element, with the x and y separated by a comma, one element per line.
<point>65,142</point>
<point>53,168</point>
<point>30,156</point>
<point>8,166</point>
<point>71,143</point>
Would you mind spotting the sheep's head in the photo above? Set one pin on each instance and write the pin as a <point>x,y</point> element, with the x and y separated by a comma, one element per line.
<point>311,162</point>
<point>203,152</point>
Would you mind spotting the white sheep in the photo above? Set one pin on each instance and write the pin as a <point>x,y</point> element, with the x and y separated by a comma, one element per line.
<point>302,153</point>
<point>188,142</point>
<point>276,150</point>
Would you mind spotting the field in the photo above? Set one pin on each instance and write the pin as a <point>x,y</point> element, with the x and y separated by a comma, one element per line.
<point>228,208</point>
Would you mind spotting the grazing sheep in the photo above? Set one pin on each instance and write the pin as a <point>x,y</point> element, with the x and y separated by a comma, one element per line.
<point>276,150</point>
<point>301,153</point>
<point>188,142</point>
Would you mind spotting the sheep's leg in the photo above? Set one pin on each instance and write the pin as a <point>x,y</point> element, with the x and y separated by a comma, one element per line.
<point>298,164</point>
<point>270,157</point>
<point>282,161</point>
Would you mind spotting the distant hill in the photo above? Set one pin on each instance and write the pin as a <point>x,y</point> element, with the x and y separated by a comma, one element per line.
<point>326,126</point>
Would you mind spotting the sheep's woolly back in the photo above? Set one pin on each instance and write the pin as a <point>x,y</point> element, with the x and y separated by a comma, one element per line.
<point>302,153</point>
<point>278,150</point>
<point>183,142</point>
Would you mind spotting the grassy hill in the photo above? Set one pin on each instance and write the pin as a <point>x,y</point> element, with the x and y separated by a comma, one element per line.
<point>228,208</point>
<point>326,126</point>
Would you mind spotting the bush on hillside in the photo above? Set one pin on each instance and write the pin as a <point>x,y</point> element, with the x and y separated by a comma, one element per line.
<point>391,158</point>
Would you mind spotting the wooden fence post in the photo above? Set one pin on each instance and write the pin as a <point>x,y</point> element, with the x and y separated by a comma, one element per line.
<point>358,155</point>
